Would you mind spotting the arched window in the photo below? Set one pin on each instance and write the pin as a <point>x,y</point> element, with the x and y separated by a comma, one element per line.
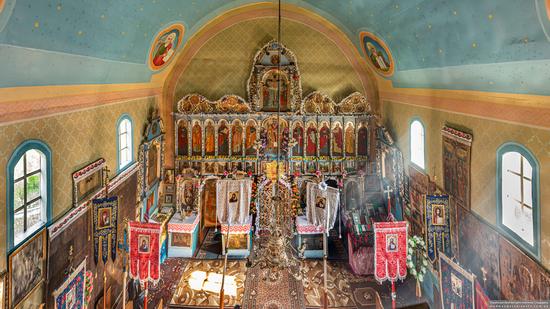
<point>125,153</point>
<point>518,195</point>
<point>417,140</point>
<point>29,191</point>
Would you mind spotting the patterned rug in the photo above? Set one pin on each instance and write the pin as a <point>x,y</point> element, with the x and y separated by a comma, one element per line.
<point>339,292</point>
<point>347,290</point>
<point>185,296</point>
<point>284,293</point>
<point>170,274</point>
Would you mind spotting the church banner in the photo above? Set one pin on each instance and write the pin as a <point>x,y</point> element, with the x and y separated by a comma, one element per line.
<point>438,225</point>
<point>70,295</point>
<point>105,214</point>
<point>322,203</point>
<point>456,284</point>
<point>482,300</point>
<point>457,148</point>
<point>233,202</point>
<point>144,243</point>
<point>390,250</point>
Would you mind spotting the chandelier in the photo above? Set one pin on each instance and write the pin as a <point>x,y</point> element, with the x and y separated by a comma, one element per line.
<point>273,251</point>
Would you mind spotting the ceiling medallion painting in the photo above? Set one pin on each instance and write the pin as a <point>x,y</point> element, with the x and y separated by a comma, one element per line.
<point>165,46</point>
<point>377,52</point>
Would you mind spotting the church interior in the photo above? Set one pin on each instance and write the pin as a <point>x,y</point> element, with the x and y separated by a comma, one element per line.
<point>274,154</point>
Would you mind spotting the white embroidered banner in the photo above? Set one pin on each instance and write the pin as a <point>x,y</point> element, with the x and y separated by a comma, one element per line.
<point>322,204</point>
<point>233,202</point>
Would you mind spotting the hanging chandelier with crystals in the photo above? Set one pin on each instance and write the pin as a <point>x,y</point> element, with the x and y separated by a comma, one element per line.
<point>273,251</point>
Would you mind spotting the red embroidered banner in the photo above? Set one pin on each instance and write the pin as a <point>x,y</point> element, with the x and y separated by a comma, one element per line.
<point>481,299</point>
<point>144,241</point>
<point>390,247</point>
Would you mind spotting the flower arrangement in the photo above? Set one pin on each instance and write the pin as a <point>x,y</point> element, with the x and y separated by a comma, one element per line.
<point>254,195</point>
<point>417,247</point>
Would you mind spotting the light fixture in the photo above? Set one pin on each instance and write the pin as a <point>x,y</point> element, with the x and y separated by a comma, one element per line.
<point>273,251</point>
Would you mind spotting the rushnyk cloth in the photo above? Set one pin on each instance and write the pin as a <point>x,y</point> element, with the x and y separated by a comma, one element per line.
<point>390,250</point>
<point>233,202</point>
<point>322,204</point>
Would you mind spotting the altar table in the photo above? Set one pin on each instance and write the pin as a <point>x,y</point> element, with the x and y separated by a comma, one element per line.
<point>311,236</point>
<point>183,235</point>
<point>240,239</point>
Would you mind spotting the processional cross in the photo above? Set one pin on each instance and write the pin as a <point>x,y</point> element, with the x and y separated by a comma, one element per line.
<point>388,191</point>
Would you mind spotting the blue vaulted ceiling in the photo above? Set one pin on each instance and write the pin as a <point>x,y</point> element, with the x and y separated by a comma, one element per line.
<point>490,45</point>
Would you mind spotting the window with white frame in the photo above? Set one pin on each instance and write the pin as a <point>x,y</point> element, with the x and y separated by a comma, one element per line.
<point>124,143</point>
<point>517,202</point>
<point>29,194</point>
<point>417,143</point>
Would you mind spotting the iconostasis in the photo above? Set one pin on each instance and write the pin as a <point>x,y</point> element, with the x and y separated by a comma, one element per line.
<point>312,136</point>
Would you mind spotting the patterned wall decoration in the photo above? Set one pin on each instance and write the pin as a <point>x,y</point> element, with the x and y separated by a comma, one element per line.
<point>165,46</point>
<point>489,135</point>
<point>323,67</point>
<point>377,53</point>
<point>75,139</point>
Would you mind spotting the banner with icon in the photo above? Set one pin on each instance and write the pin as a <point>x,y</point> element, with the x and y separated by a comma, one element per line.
<point>438,225</point>
<point>70,295</point>
<point>144,243</point>
<point>105,215</point>
<point>390,250</point>
<point>456,284</point>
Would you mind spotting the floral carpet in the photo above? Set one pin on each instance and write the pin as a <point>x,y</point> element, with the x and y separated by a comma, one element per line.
<point>261,293</point>
<point>186,296</point>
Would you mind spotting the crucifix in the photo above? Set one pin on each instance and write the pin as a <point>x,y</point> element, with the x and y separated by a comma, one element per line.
<point>106,171</point>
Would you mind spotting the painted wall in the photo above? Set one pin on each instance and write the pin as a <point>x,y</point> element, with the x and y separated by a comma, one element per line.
<point>223,65</point>
<point>488,136</point>
<point>75,139</point>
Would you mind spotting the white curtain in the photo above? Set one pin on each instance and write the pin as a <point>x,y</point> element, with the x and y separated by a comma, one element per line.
<point>233,202</point>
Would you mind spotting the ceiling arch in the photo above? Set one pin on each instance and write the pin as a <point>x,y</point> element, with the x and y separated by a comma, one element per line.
<point>268,10</point>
